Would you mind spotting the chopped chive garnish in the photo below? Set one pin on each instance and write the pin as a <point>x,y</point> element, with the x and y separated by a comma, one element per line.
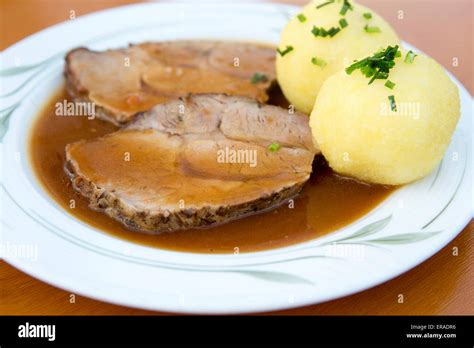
<point>319,31</point>
<point>368,71</point>
<point>393,105</point>
<point>325,3</point>
<point>287,50</point>
<point>318,62</point>
<point>367,15</point>
<point>343,23</point>
<point>345,6</point>
<point>274,147</point>
<point>410,57</point>
<point>333,31</point>
<point>301,17</point>
<point>377,66</point>
<point>258,77</point>
<point>371,29</point>
<point>389,84</point>
<point>398,54</point>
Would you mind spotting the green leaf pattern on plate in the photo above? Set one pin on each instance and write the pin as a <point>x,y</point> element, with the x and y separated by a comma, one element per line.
<point>358,237</point>
<point>278,277</point>
<point>403,238</point>
<point>368,230</point>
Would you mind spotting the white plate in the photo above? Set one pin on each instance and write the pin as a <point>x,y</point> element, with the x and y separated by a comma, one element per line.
<point>410,226</point>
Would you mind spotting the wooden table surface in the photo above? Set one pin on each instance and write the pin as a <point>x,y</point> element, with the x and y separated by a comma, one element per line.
<point>442,285</point>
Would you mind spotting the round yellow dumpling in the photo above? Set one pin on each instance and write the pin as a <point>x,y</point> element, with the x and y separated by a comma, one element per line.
<point>312,59</point>
<point>382,135</point>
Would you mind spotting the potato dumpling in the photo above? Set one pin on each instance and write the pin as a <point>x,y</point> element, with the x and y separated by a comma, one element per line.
<point>298,72</point>
<point>361,134</point>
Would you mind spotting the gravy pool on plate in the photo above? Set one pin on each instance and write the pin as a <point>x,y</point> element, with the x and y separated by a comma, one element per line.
<point>327,202</point>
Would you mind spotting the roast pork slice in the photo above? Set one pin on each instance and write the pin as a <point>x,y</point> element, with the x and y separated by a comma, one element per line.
<point>122,82</point>
<point>193,162</point>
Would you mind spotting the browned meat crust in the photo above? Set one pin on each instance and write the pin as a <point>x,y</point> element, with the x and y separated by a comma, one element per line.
<point>174,180</point>
<point>122,82</point>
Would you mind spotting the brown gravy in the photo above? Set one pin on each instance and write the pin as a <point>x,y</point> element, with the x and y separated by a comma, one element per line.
<point>327,202</point>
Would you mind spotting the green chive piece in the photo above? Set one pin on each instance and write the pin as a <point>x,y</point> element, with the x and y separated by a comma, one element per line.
<point>410,57</point>
<point>287,50</point>
<point>376,67</point>
<point>356,65</point>
<point>345,7</point>
<point>343,23</point>
<point>301,17</point>
<point>274,147</point>
<point>367,15</point>
<point>333,31</point>
<point>318,62</point>
<point>319,31</point>
<point>389,84</point>
<point>398,54</point>
<point>371,29</point>
<point>324,4</point>
<point>315,31</point>
<point>393,105</point>
<point>368,71</point>
<point>258,77</point>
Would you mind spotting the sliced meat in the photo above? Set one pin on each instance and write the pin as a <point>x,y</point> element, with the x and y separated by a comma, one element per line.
<point>193,162</point>
<point>123,82</point>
